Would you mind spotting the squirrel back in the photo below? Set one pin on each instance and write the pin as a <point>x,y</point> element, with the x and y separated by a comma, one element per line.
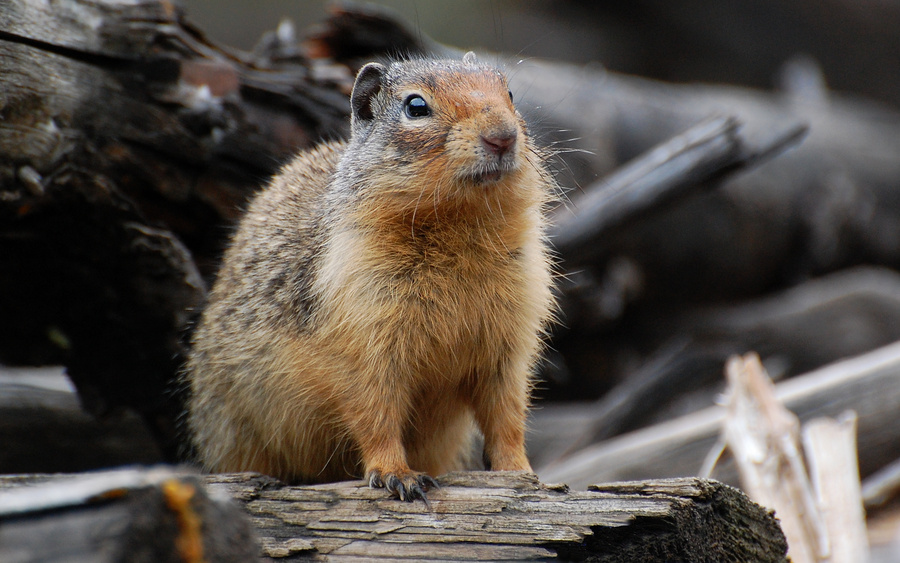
<point>383,296</point>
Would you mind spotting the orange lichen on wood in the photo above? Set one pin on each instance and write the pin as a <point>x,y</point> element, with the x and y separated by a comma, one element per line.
<point>190,534</point>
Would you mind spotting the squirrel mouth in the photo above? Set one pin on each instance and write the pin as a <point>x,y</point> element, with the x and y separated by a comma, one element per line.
<point>487,176</point>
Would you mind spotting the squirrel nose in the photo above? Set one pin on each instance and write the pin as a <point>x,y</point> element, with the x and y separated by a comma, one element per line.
<point>500,142</point>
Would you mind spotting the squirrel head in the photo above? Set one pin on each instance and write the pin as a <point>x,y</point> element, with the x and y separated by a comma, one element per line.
<point>451,123</point>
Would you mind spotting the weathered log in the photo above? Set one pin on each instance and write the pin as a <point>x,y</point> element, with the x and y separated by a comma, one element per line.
<point>509,516</point>
<point>819,208</point>
<point>473,516</point>
<point>118,516</point>
<point>830,449</point>
<point>823,206</point>
<point>868,384</point>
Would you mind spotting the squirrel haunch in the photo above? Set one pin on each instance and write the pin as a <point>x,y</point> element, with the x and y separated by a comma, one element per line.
<point>384,297</point>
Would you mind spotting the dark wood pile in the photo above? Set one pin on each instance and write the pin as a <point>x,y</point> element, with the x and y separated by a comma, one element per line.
<point>698,221</point>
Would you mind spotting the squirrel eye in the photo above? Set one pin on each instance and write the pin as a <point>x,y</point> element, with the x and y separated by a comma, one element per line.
<point>510,95</point>
<point>416,106</point>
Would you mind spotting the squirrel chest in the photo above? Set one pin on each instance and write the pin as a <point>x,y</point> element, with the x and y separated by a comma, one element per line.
<point>445,303</point>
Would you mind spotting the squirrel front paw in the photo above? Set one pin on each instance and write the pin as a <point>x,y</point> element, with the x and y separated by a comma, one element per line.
<point>404,484</point>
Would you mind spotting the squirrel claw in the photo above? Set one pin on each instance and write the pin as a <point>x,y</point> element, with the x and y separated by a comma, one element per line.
<point>407,486</point>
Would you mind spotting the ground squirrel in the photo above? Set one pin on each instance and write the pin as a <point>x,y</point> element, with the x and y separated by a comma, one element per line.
<point>384,295</point>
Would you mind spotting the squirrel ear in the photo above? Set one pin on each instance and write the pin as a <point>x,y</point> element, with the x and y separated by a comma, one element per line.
<point>470,58</point>
<point>367,85</point>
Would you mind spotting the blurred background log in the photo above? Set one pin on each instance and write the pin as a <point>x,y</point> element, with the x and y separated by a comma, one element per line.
<point>129,141</point>
<point>44,428</point>
<point>868,384</point>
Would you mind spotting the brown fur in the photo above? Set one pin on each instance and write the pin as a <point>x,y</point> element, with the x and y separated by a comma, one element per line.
<point>383,297</point>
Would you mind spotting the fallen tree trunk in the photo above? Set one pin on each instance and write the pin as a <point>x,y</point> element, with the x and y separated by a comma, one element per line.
<point>473,516</point>
<point>509,516</point>
<point>698,158</point>
<point>484,516</point>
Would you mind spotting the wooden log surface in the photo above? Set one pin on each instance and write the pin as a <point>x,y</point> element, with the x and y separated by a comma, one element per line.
<point>697,158</point>
<point>492,516</point>
<point>484,516</point>
<point>830,447</point>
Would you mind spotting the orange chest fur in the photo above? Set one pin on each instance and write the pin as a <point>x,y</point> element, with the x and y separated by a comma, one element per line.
<point>448,310</point>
